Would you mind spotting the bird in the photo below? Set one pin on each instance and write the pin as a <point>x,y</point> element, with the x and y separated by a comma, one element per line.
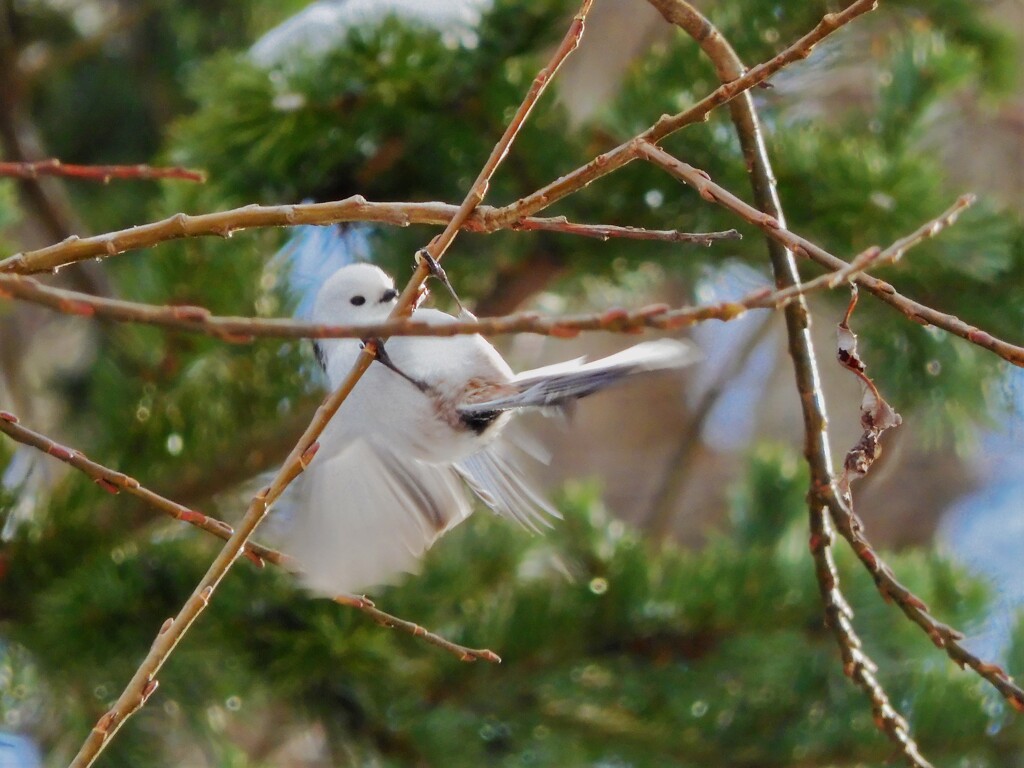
<point>427,422</point>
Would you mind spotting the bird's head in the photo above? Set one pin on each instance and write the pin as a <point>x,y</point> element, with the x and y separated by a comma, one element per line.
<point>355,295</point>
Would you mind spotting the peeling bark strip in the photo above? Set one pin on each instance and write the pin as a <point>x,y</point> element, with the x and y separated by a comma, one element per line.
<point>876,415</point>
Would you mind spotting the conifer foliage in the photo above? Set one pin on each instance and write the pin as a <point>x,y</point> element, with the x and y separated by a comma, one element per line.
<point>616,649</point>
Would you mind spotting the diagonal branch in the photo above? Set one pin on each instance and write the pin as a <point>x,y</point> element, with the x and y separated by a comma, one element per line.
<point>739,83</point>
<point>774,229</point>
<point>857,665</point>
<point>846,522</point>
<point>608,231</point>
<point>461,652</point>
<point>942,635</point>
<point>114,482</point>
<point>876,417</point>
<point>143,682</point>
<point>824,492</point>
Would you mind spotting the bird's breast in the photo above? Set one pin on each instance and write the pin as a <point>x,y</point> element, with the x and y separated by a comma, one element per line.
<point>427,424</point>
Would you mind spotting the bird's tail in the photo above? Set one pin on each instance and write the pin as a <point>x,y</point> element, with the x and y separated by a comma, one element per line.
<point>556,386</point>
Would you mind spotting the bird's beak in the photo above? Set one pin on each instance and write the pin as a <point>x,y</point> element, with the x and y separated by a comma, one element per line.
<point>389,295</point>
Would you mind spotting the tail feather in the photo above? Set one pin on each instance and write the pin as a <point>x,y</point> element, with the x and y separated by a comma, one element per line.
<point>556,386</point>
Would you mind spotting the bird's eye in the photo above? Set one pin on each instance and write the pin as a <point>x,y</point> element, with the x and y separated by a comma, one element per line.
<point>358,301</point>
<point>389,295</point>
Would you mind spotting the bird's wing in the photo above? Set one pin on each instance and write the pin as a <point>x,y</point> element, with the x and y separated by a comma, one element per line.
<point>557,385</point>
<point>496,474</point>
<point>366,516</point>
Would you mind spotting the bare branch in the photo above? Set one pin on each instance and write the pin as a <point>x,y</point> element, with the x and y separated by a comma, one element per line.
<point>439,245</point>
<point>607,231</point>
<point>876,417</point>
<point>115,482</point>
<point>942,635</point>
<point>241,330</point>
<point>393,622</point>
<point>143,682</point>
<point>101,173</point>
<point>857,665</point>
<point>913,310</point>
<point>628,151</point>
<point>356,208</point>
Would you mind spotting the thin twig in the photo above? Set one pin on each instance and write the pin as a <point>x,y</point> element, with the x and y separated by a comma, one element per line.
<point>143,682</point>
<point>240,330</point>
<point>942,635</point>
<point>913,310</point>
<point>101,173</point>
<point>356,208</point>
<point>877,416</point>
<point>839,617</point>
<point>607,231</point>
<point>393,622</point>
<point>440,244</point>
<point>114,482</point>
<point>628,151</point>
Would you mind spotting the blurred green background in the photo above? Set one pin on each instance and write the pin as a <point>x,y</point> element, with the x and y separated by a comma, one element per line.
<point>628,638</point>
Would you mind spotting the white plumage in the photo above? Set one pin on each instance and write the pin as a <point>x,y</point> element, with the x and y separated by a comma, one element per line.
<point>393,464</point>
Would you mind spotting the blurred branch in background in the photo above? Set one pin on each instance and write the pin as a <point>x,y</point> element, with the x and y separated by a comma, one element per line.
<point>101,173</point>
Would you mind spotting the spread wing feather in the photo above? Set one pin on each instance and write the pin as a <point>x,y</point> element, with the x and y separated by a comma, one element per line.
<point>496,475</point>
<point>369,516</point>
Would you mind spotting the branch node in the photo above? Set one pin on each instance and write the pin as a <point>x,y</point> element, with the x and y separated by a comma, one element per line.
<point>180,220</point>
<point>186,312</point>
<point>60,452</point>
<point>564,331</point>
<point>308,454</point>
<point>149,689</point>
<point>105,723</point>
<point>107,486</point>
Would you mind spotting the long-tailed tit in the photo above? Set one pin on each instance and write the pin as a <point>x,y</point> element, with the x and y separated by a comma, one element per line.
<point>425,422</point>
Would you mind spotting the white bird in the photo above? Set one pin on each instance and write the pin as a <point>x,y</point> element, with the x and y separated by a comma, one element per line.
<point>390,475</point>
